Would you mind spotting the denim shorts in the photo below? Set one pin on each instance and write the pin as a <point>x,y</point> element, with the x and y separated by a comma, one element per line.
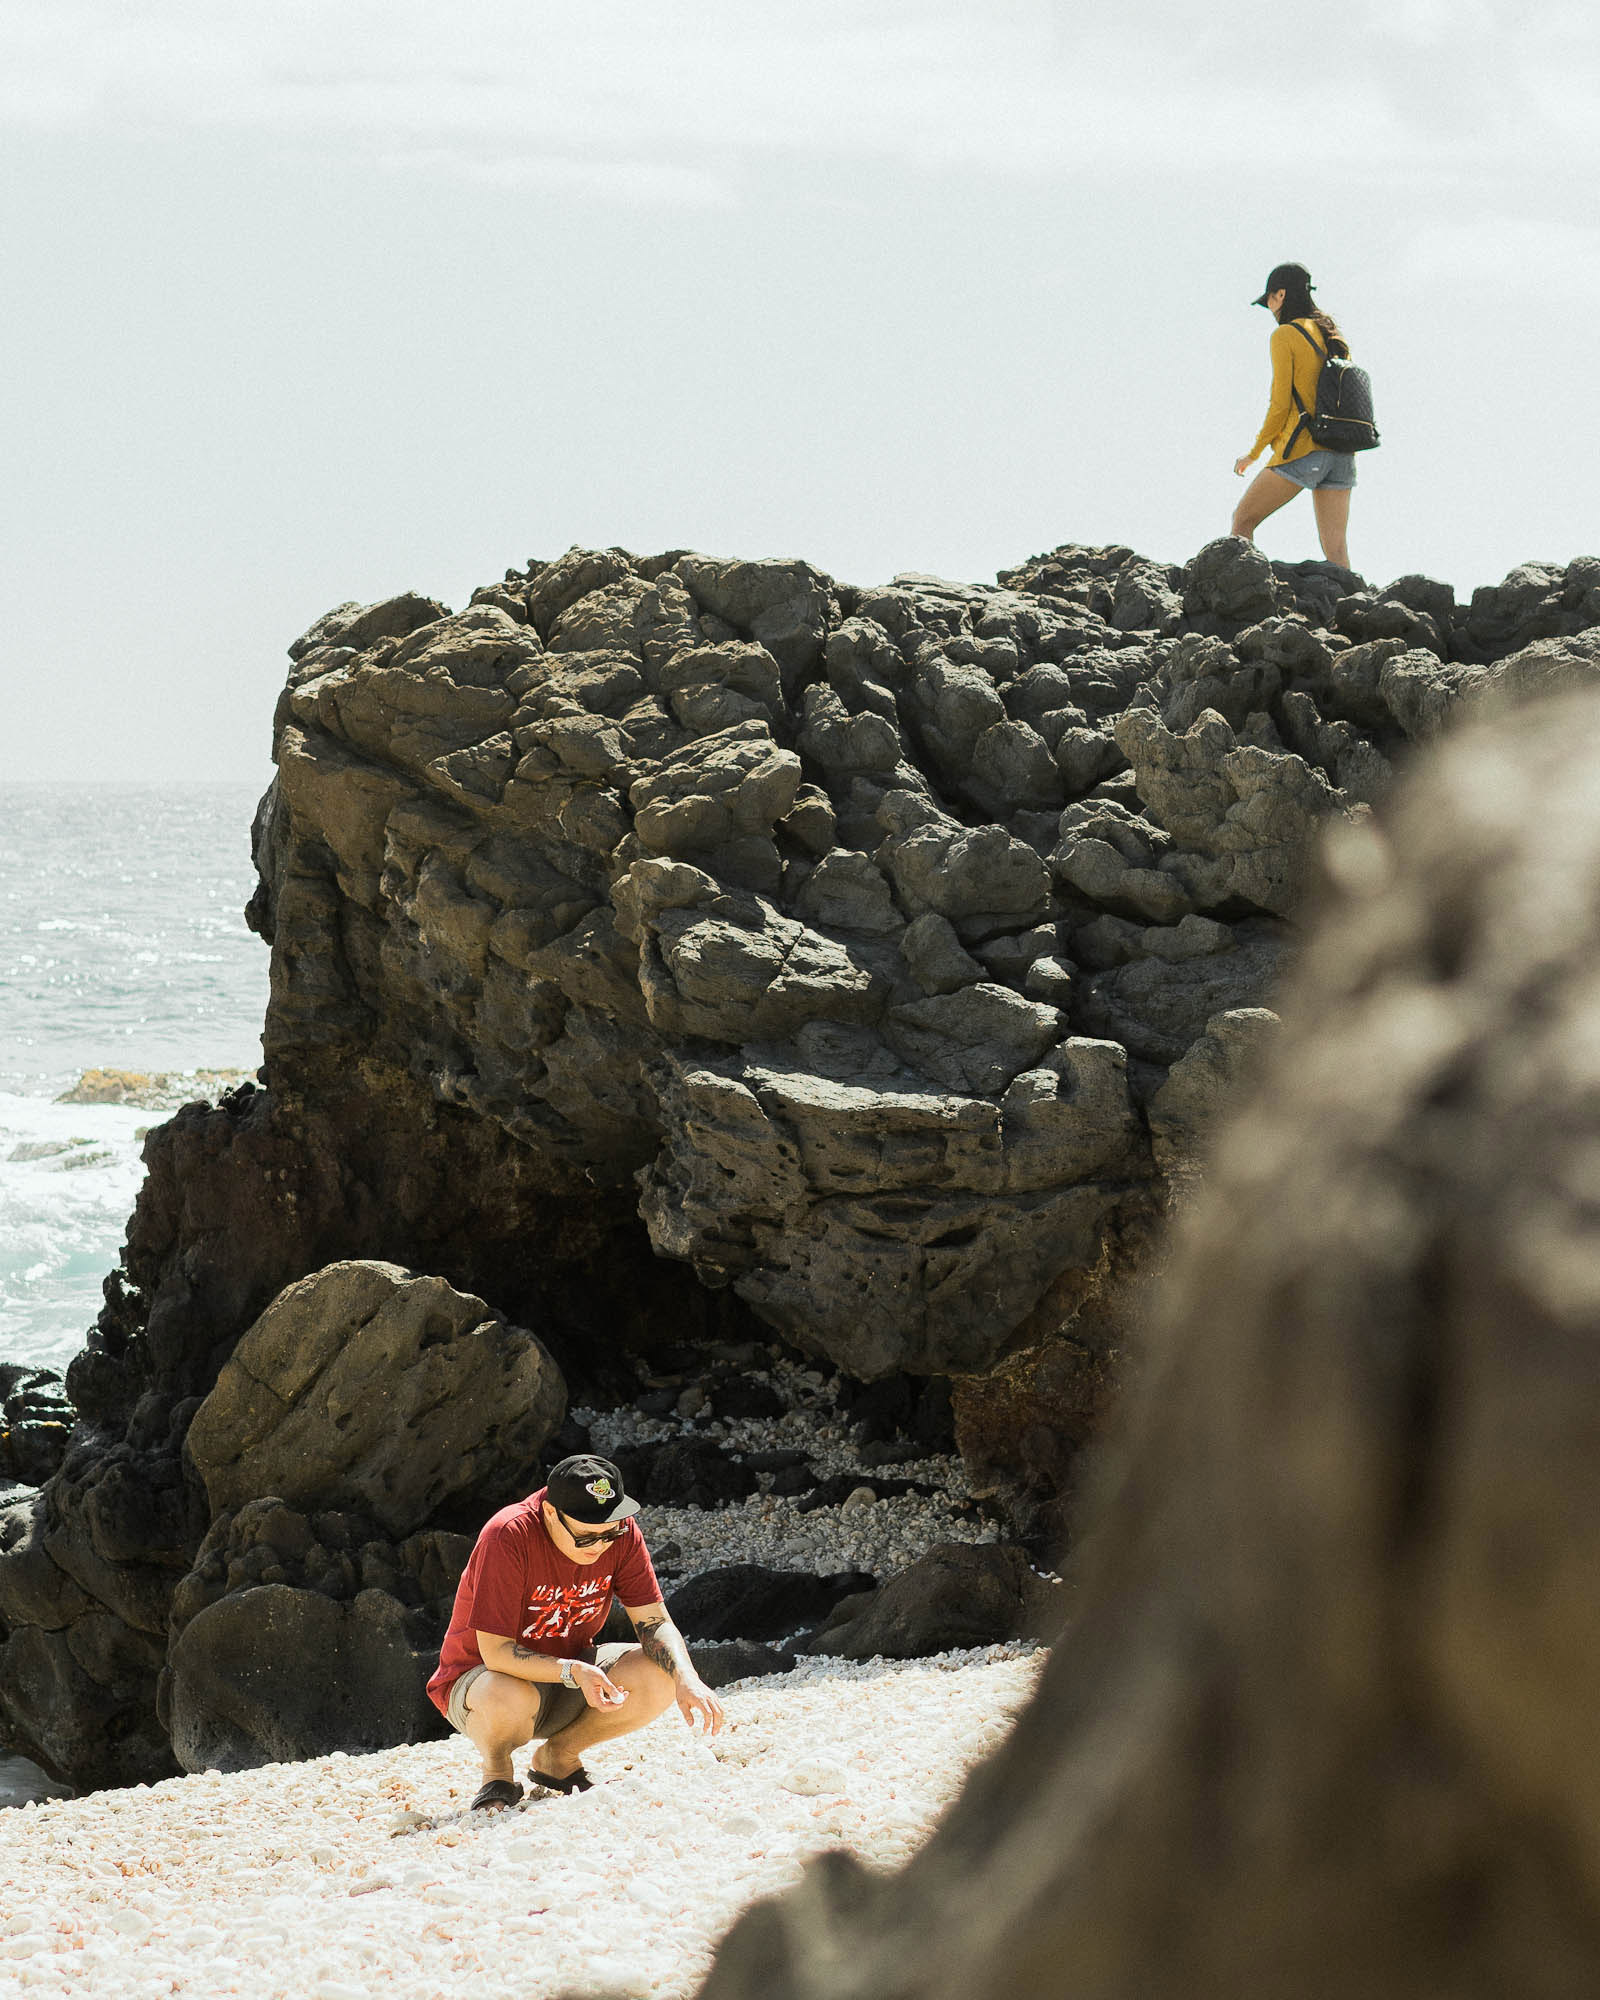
<point>1320,468</point>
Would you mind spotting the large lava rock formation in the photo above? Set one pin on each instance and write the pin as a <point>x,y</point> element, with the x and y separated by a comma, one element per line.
<point>664,941</point>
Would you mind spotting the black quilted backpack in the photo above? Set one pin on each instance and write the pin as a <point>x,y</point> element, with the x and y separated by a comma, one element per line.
<point>1342,419</point>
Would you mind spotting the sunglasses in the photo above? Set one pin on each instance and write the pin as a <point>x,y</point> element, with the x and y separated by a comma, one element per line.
<point>592,1541</point>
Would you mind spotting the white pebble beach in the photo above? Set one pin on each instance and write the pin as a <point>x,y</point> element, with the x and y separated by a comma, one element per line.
<point>358,1875</point>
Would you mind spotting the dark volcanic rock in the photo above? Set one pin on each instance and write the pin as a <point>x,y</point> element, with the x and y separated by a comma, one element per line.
<point>364,1403</point>
<point>1316,1726</point>
<point>907,1407</point>
<point>684,1471</point>
<point>749,1601</point>
<point>269,1674</point>
<point>838,1486</point>
<point>740,1396</point>
<point>739,1660</point>
<point>298,1634</point>
<point>366,1386</point>
<point>35,1423</point>
<point>668,950</point>
<point>241,1199</point>
<point>959,1594</point>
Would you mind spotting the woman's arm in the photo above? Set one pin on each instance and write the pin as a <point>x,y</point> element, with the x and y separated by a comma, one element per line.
<point>1282,400</point>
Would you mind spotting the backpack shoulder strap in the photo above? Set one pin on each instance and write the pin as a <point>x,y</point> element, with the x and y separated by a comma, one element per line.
<point>1305,415</point>
<point>1300,328</point>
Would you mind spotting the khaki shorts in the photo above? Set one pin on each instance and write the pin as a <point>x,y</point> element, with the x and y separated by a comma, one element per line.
<point>558,1705</point>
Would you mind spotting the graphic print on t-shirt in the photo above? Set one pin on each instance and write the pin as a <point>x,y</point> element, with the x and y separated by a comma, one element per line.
<point>518,1584</point>
<point>556,1609</point>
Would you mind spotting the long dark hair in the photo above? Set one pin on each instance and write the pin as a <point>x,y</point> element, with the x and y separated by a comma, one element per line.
<point>1297,304</point>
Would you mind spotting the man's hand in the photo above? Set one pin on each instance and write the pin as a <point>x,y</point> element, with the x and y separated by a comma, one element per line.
<point>1242,465</point>
<point>598,1688</point>
<point>662,1645</point>
<point>696,1701</point>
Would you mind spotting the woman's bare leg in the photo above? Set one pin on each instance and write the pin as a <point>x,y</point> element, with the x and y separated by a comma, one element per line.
<point>1265,494</point>
<point>1332,505</point>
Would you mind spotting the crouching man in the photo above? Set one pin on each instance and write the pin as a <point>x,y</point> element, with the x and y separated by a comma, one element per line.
<point>519,1662</point>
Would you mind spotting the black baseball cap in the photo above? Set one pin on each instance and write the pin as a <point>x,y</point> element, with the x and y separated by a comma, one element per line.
<point>588,1489</point>
<point>1282,278</point>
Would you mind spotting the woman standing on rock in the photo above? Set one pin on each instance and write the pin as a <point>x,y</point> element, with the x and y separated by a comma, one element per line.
<point>1300,342</point>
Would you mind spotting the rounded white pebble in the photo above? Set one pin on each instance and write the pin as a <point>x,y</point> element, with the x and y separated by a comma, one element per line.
<point>132,1923</point>
<point>814,1776</point>
<point>650,1894</point>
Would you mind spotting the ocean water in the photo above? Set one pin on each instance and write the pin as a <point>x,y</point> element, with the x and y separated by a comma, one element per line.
<point>122,946</point>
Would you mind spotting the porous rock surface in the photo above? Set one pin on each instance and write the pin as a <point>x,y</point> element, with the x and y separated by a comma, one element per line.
<point>1319,1725</point>
<point>363,1386</point>
<point>663,946</point>
<point>35,1423</point>
<point>294,1635</point>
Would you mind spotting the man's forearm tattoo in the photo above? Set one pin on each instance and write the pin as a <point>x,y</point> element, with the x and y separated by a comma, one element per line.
<point>654,1644</point>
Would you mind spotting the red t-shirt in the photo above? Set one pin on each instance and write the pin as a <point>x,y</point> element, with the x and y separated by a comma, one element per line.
<point>518,1583</point>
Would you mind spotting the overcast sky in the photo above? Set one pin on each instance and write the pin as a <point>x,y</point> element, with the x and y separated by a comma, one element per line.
<point>312,300</point>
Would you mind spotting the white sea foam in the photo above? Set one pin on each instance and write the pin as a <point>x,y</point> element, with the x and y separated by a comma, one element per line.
<point>68,1177</point>
<point>122,944</point>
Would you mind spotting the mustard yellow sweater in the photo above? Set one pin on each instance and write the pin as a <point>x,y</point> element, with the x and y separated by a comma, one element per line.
<point>1296,364</point>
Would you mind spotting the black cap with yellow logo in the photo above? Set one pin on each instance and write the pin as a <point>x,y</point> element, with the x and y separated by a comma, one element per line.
<point>588,1489</point>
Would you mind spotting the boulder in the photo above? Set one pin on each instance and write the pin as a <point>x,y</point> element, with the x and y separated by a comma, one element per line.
<point>1158,1007</point>
<point>1232,581</point>
<point>270,1674</point>
<point>357,626</point>
<point>35,1423</point>
<point>684,1471</point>
<point>737,1396</point>
<point>976,1040</point>
<point>1189,1106</point>
<point>1242,819</point>
<point>367,1386</point>
<point>959,1594</point>
<point>750,1601</point>
<point>296,1634</point>
<point>739,1660</point>
<point>946,1217</point>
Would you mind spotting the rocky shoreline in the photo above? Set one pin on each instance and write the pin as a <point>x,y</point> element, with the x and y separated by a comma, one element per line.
<point>671,956</point>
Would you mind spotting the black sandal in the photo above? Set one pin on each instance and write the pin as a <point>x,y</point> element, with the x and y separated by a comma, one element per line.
<point>498,1792</point>
<point>575,1781</point>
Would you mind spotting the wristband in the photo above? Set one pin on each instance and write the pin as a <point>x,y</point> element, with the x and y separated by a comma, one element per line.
<point>569,1677</point>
